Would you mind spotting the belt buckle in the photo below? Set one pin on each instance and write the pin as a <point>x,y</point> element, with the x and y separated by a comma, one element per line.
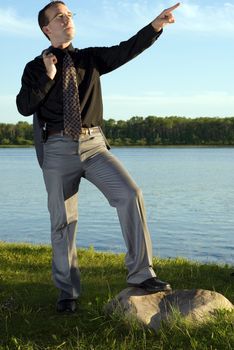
<point>93,130</point>
<point>87,131</point>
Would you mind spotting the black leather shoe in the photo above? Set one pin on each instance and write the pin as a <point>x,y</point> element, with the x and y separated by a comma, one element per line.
<point>66,306</point>
<point>152,285</point>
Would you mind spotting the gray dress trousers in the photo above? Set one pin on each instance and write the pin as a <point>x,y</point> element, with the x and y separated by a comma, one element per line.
<point>65,162</point>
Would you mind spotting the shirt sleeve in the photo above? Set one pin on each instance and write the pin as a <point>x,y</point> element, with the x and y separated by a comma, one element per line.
<point>35,86</point>
<point>110,58</point>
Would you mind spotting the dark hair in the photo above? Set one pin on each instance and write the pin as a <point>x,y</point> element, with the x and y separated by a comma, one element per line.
<point>42,18</point>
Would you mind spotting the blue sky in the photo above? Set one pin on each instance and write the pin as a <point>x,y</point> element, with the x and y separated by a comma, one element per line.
<point>188,72</point>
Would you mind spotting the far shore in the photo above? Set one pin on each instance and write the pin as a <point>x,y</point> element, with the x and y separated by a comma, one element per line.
<point>138,146</point>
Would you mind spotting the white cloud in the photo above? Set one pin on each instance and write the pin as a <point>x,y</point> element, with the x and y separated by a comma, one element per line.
<point>127,15</point>
<point>206,18</point>
<point>12,23</point>
<point>191,16</point>
<point>207,103</point>
<point>210,103</point>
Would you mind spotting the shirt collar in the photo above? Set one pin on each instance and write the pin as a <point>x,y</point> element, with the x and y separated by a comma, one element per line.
<point>60,52</point>
<point>56,50</point>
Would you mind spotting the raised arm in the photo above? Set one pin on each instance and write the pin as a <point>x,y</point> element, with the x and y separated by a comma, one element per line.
<point>110,58</point>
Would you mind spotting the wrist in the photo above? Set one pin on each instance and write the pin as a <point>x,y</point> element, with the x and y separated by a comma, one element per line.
<point>51,75</point>
<point>157,28</point>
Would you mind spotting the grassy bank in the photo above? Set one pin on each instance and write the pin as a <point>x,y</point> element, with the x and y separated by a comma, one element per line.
<point>16,146</point>
<point>139,146</point>
<point>27,304</point>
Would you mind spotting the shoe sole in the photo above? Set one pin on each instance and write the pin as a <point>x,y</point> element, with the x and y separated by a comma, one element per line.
<point>66,309</point>
<point>152,290</point>
<point>66,312</point>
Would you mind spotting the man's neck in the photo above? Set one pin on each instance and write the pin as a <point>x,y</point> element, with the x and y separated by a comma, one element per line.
<point>61,45</point>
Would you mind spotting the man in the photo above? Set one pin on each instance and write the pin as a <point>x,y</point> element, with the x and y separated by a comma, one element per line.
<point>62,88</point>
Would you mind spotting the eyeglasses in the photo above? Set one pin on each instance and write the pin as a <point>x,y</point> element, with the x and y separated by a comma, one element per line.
<point>60,17</point>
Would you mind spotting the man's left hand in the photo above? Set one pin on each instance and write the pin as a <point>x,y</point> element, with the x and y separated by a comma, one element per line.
<point>166,17</point>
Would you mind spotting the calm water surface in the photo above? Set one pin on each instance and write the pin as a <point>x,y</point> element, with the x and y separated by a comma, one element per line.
<point>188,192</point>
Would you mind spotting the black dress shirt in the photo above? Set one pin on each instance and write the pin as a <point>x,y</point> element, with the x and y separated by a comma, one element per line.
<point>43,96</point>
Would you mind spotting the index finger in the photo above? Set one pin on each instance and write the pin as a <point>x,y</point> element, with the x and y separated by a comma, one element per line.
<point>45,52</point>
<point>172,8</point>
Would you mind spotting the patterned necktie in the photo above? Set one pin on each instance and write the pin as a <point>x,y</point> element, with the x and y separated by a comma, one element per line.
<point>71,102</point>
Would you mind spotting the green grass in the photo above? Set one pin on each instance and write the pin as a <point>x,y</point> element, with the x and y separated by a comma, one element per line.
<point>16,146</point>
<point>27,304</point>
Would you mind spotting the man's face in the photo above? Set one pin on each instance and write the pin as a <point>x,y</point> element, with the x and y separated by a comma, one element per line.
<point>61,28</point>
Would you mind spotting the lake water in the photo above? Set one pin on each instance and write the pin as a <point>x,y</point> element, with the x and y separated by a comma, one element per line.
<point>188,193</point>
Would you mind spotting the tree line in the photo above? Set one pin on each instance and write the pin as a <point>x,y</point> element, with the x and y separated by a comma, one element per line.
<point>139,131</point>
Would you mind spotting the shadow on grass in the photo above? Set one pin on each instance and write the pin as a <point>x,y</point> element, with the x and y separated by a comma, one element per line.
<point>28,309</point>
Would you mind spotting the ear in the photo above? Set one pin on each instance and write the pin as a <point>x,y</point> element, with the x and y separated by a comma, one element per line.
<point>46,30</point>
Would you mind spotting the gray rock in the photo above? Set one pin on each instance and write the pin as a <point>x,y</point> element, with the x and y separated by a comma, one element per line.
<point>196,305</point>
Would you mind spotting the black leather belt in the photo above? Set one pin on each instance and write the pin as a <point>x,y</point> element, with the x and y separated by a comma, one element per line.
<point>84,131</point>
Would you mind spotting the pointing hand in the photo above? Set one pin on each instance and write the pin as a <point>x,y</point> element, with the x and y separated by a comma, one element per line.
<point>166,17</point>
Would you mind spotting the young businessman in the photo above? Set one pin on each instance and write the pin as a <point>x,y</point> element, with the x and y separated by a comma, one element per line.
<point>62,88</point>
